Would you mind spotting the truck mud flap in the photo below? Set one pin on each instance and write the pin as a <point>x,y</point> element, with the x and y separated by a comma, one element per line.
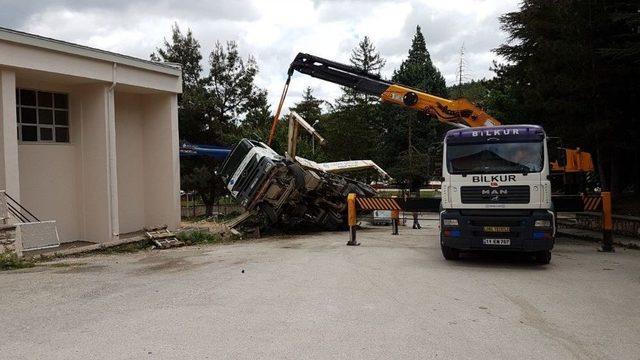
<point>420,205</point>
<point>567,203</point>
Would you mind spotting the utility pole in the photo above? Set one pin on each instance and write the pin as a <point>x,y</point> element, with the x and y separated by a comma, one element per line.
<point>461,70</point>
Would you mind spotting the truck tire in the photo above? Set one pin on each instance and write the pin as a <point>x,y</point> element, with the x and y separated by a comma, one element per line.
<point>543,257</point>
<point>269,212</point>
<point>450,253</point>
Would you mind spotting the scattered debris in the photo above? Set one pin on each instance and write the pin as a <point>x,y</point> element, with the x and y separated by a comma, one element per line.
<point>163,238</point>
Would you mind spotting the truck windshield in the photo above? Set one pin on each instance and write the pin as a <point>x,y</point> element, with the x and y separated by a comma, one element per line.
<point>235,159</point>
<point>495,158</point>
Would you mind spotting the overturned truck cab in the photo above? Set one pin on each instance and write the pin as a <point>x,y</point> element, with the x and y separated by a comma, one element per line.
<point>282,192</point>
<point>496,194</point>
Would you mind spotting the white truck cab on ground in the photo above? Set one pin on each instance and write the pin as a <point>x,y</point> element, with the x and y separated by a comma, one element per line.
<point>496,194</point>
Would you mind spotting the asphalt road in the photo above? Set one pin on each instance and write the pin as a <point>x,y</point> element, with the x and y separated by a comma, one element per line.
<point>310,296</point>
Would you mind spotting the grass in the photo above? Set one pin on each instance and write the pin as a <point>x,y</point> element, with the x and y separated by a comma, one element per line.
<point>229,216</point>
<point>198,237</point>
<point>10,261</point>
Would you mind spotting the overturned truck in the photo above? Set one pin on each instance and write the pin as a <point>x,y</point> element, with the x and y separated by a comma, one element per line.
<point>283,193</point>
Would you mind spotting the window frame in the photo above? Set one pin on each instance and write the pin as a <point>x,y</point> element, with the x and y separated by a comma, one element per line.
<point>37,108</point>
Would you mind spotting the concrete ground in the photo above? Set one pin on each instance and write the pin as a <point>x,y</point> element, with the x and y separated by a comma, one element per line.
<point>310,296</point>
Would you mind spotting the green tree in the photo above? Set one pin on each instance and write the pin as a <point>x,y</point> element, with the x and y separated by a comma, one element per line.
<point>257,120</point>
<point>366,58</point>
<point>184,49</point>
<point>573,65</point>
<point>230,91</point>
<point>418,70</point>
<point>212,109</point>
<point>309,107</point>
<point>415,133</point>
<point>352,127</point>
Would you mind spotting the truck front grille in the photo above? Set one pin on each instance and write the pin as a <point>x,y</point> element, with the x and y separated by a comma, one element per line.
<point>246,175</point>
<point>516,194</point>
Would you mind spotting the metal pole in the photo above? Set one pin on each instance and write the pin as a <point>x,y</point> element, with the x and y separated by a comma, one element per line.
<point>607,222</point>
<point>351,218</point>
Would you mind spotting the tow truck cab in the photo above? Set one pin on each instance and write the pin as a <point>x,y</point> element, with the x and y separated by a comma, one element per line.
<point>496,194</point>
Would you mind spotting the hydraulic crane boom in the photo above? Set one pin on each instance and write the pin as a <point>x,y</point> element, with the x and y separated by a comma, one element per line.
<point>459,112</point>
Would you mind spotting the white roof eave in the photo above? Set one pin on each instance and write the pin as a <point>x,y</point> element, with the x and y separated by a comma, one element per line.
<point>85,51</point>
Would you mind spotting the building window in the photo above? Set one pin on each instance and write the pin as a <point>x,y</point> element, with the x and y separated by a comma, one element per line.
<point>42,116</point>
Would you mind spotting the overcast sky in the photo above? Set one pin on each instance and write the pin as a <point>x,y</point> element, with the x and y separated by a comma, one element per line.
<point>274,31</point>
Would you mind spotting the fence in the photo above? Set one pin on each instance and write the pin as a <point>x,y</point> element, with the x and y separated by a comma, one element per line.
<point>622,225</point>
<point>218,210</point>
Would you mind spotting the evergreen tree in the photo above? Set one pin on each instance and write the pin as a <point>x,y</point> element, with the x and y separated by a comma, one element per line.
<point>184,49</point>
<point>257,121</point>
<point>213,108</point>
<point>230,90</point>
<point>573,65</point>
<point>415,132</point>
<point>366,58</point>
<point>309,108</point>
<point>418,70</point>
<point>353,127</point>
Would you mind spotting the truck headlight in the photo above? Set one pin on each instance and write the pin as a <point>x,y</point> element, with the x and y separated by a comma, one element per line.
<point>450,222</point>
<point>542,224</point>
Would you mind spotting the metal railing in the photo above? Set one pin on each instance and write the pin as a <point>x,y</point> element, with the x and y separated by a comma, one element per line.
<point>11,207</point>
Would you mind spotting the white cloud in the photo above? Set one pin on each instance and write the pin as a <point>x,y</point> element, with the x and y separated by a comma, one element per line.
<point>274,31</point>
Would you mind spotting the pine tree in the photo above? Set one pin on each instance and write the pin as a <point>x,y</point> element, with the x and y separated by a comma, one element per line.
<point>415,132</point>
<point>212,108</point>
<point>418,70</point>
<point>230,88</point>
<point>352,128</point>
<point>309,108</point>
<point>364,57</point>
<point>184,49</point>
<point>574,65</point>
<point>257,121</point>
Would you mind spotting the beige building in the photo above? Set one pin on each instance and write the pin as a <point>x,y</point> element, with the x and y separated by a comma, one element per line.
<point>88,138</point>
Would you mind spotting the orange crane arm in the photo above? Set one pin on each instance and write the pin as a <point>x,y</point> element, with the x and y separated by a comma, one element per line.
<point>459,112</point>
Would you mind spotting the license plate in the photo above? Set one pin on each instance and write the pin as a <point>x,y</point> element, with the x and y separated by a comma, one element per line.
<point>496,241</point>
<point>497,229</point>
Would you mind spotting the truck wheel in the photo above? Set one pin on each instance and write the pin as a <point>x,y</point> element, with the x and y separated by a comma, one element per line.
<point>269,212</point>
<point>543,257</point>
<point>450,253</point>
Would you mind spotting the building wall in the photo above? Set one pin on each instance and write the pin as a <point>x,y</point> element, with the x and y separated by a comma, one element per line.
<point>50,174</point>
<point>161,162</point>
<point>9,177</point>
<point>94,161</point>
<point>120,170</point>
<point>130,161</point>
